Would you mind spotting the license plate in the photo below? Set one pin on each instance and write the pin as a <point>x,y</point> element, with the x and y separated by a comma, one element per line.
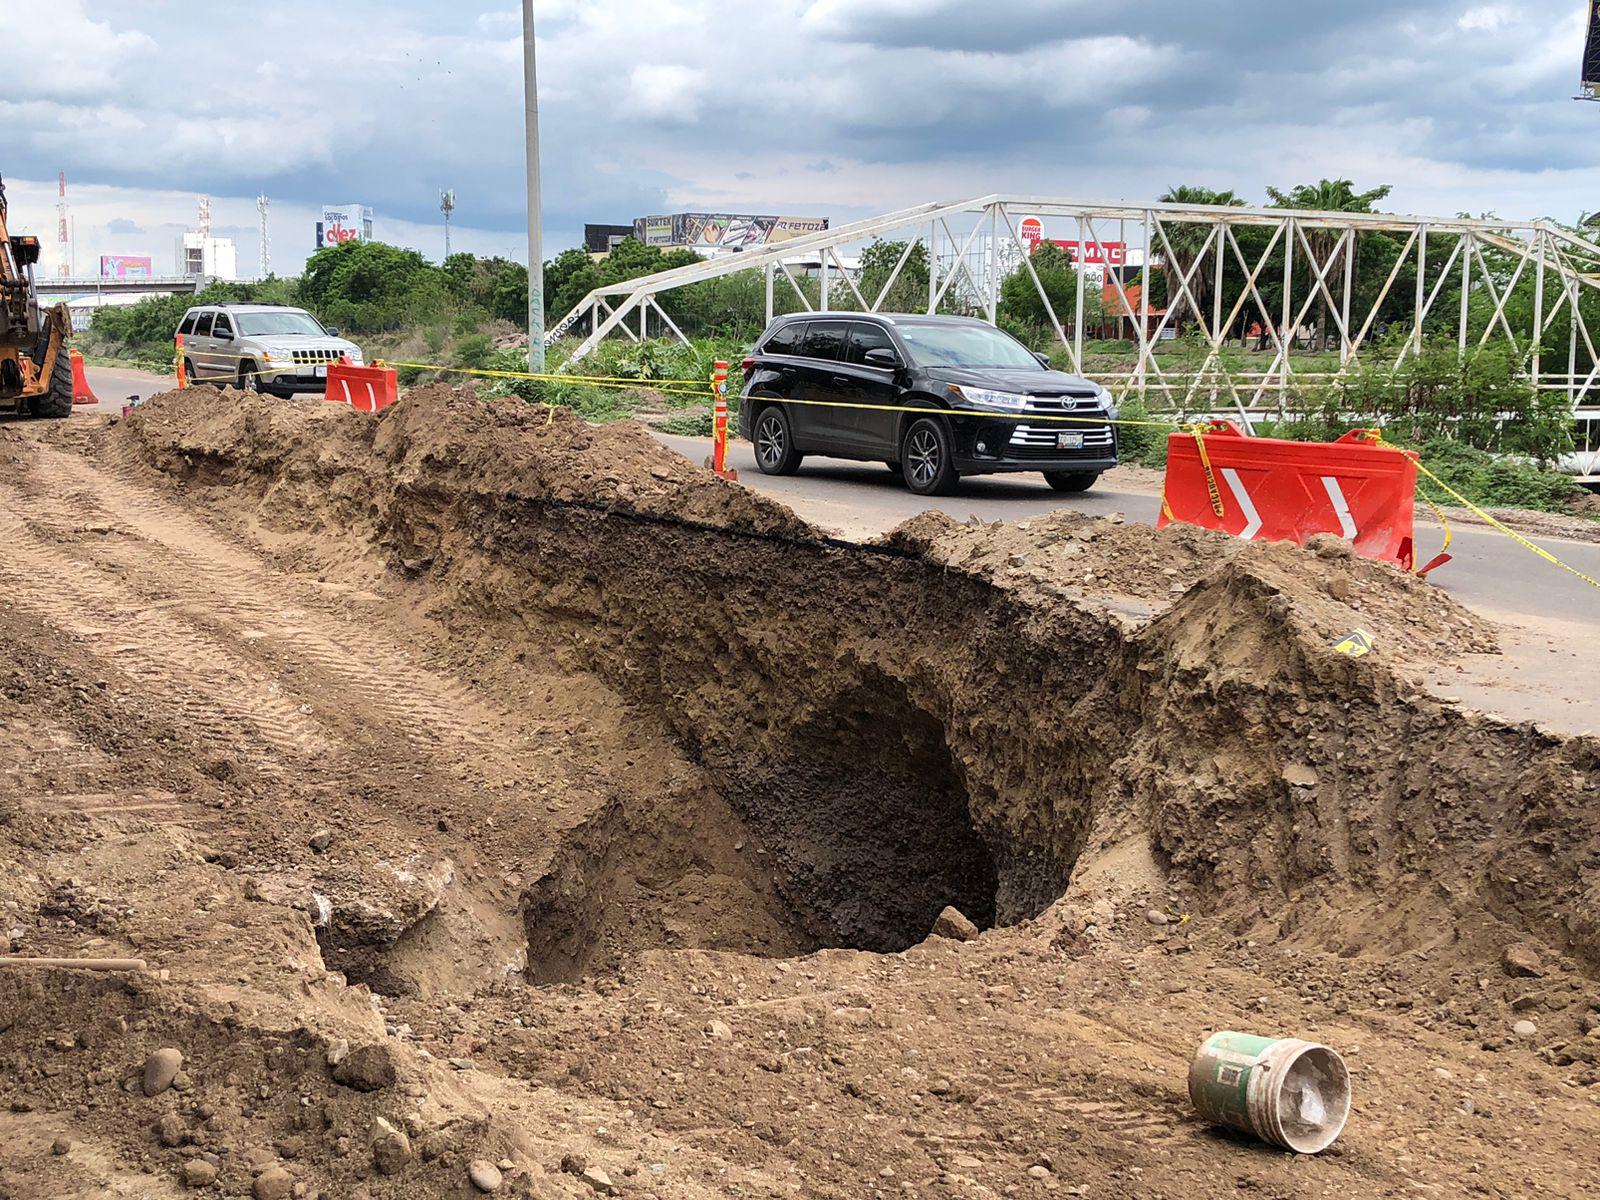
<point>1069,441</point>
<point>322,373</point>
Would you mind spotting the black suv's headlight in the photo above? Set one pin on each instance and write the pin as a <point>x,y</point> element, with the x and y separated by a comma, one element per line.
<point>985,398</point>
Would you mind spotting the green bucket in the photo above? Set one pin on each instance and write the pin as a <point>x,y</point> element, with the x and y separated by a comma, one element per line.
<point>1292,1093</point>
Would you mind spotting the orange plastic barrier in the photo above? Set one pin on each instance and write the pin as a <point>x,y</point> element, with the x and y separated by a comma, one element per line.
<point>365,389</point>
<point>82,393</point>
<point>1275,490</point>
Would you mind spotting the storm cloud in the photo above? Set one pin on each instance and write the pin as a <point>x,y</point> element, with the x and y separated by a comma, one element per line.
<point>835,107</point>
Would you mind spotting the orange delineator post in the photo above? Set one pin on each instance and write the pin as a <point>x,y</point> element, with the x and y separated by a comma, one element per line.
<point>177,359</point>
<point>365,389</point>
<point>718,461</point>
<point>82,393</point>
<point>1268,489</point>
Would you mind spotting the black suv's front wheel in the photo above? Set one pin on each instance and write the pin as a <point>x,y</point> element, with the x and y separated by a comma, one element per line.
<point>774,443</point>
<point>925,458</point>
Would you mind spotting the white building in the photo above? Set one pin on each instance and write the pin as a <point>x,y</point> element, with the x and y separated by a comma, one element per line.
<point>211,257</point>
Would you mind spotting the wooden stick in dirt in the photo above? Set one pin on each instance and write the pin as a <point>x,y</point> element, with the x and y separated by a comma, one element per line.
<point>83,964</point>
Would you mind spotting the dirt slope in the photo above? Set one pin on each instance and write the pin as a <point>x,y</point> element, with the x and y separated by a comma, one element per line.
<point>522,760</point>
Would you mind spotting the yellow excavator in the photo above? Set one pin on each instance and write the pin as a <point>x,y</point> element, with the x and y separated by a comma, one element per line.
<point>35,372</point>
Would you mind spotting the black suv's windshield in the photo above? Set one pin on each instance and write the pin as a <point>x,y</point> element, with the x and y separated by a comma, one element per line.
<point>272,324</point>
<point>965,346</point>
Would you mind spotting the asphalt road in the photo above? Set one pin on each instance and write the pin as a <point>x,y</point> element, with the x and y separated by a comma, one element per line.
<point>1490,572</point>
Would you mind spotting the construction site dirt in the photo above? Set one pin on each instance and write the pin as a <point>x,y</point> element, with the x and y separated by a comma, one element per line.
<point>503,804</point>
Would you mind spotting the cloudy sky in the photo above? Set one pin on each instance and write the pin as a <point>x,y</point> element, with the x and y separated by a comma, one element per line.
<point>840,108</point>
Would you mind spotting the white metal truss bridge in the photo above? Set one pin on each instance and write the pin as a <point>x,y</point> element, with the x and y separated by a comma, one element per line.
<point>972,244</point>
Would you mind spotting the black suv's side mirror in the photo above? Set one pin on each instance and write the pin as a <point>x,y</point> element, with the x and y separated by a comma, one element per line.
<point>882,356</point>
<point>1044,359</point>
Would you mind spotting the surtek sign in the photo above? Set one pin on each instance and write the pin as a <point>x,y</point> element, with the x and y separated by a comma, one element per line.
<point>344,223</point>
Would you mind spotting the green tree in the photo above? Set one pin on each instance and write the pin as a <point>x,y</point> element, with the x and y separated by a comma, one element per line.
<point>1327,195</point>
<point>909,292</point>
<point>371,286</point>
<point>1187,240</point>
<point>1020,302</point>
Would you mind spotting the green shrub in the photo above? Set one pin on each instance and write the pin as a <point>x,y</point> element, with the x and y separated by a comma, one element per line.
<point>1145,445</point>
<point>473,350</point>
<point>691,424</point>
<point>1495,481</point>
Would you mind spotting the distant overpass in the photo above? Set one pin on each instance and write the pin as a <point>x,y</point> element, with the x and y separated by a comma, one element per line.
<point>72,289</point>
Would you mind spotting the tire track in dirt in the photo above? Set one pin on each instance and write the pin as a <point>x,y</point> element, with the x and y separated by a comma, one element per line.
<point>231,589</point>
<point>223,701</point>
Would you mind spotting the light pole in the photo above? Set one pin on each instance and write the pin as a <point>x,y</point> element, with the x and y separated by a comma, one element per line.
<point>530,88</point>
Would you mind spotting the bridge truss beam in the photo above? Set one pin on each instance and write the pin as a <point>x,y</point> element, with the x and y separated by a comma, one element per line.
<point>971,243</point>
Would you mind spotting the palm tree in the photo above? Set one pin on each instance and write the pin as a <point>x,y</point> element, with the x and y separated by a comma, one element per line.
<point>1326,195</point>
<point>1186,240</point>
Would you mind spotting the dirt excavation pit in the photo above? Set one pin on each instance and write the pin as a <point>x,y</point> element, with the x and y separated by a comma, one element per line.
<point>504,803</point>
<point>856,834</point>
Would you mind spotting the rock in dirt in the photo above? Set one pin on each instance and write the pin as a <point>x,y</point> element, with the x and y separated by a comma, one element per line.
<point>391,1148</point>
<point>1521,961</point>
<point>953,924</point>
<point>1156,917</point>
<point>719,1031</point>
<point>368,1068</point>
<point>160,1069</point>
<point>170,1131</point>
<point>1525,1029</point>
<point>1299,775</point>
<point>274,1183</point>
<point>598,1180</point>
<point>320,840</point>
<point>485,1176</point>
<point>60,1146</point>
<point>198,1173</point>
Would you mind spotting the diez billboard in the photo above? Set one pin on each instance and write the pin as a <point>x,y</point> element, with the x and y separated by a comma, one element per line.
<point>344,223</point>
<point>125,266</point>
<point>1591,53</point>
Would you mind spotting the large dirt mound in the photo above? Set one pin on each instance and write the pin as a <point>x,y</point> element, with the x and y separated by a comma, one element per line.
<point>952,673</point>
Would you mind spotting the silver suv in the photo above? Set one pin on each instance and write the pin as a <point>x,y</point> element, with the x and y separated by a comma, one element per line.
<point>261,347</point>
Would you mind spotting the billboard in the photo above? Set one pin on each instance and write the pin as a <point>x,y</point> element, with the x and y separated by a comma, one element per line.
<point>653,231</point>
<point>125,266</point>
<point>343,223</point>
<point>724,231</point>
<point>1591,53</point>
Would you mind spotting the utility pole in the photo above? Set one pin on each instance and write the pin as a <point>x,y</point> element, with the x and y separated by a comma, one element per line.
<point>530,88</point>
<point>447,205</point>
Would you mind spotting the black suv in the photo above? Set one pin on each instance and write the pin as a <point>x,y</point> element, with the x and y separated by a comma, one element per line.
<point>833,383</point>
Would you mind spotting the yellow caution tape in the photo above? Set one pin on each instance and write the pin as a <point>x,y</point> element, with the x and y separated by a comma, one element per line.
<point>1506,529</point>
<point>1205,462</point>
